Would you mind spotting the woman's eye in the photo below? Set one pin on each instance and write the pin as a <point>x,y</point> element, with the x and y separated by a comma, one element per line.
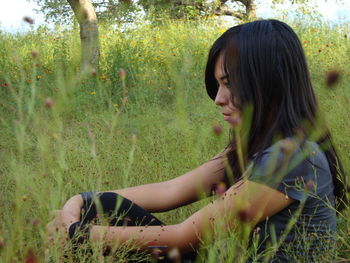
<point>226,84</point>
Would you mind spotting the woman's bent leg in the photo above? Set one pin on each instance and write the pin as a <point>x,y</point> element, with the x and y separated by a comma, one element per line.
<point>119,210</point>
<point>122,212</point>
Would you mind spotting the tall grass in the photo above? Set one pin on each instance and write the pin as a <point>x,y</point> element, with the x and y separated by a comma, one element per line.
<point>63,132</point>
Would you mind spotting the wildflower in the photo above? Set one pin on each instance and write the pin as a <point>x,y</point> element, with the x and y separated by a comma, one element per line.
<point>122,74</point>
<point>243,215</point>
<point>115,105</point>
<point>34,53</point>
<point>309,185</point>
<point>103,77</point>
<point>24,198</point>
<point>94,73</point>
<point>93,92</point>
<point>28,20</point>
<point>29,81</point>
<point>332,77</point>
<point>39,77</point>
<point>217,129</point>
<point>236,120</point>
<point>30,257</point>
<point>36,222</point>
<point>5,84</point>
<point>49,103</point>
<point>221,188</point>
<point>320,49</point>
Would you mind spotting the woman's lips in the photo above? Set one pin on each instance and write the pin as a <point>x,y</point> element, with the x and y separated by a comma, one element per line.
<point>227,116</point>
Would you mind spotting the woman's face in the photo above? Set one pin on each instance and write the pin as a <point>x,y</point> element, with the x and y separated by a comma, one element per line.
<point>224,98</point>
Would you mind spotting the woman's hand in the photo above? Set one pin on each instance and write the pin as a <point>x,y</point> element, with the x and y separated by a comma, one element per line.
<point>58,228</point>
<point>74,206</point>
<point>70,213</point>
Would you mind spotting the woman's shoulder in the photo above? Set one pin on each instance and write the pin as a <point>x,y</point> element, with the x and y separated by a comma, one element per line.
<point>295,150</point>
<point>290,167</point>
<point>291,158</point>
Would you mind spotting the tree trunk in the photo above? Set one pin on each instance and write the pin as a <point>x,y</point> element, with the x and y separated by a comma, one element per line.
<point>86,16</point>
<point>250,10</point>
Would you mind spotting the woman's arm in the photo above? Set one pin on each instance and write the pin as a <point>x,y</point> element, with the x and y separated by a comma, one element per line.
<point>246,200</point>
<point>167,195</point>
<point>182,190</point>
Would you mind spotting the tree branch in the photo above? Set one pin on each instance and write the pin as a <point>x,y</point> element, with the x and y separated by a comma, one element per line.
<point>228,12</point>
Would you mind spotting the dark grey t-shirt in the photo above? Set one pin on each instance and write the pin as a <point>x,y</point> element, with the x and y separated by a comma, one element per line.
<point>304,176</point>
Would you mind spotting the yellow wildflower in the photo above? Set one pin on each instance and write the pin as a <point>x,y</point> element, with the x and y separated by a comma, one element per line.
<point>93,92</point>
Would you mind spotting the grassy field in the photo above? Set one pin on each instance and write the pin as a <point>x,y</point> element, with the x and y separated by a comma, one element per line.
<point>63,132</point>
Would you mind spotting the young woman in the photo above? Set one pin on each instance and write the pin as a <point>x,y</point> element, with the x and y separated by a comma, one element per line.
<point>275,167</point>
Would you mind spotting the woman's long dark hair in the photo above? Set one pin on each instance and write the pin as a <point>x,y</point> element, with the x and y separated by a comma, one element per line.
<point>266,68</point>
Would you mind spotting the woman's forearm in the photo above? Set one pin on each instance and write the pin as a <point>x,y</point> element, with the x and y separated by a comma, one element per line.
<point>155,197</point>
<point>167,237</point>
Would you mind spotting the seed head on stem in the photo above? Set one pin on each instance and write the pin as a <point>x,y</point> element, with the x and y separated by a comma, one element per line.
<point>28,20</point>
<point>332,78</point>
<point>49,103</point>
<point>122,74</point>
<point>217,129</point>
<point>221,188</point>
<point>309,185</point>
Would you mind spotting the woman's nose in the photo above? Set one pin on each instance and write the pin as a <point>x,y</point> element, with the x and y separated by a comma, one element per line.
<point>220,98</point>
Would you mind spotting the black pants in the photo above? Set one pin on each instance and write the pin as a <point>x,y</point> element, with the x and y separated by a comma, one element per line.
<point>120,211</point>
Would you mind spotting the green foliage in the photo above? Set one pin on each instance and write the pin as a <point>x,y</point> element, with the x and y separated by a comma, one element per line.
<point>119,11</point>
<point>83,138</point>
<point>190,9</point>
<point>111,11</point>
